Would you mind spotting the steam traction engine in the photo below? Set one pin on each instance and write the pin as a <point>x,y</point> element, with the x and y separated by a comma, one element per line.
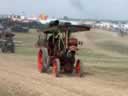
<point>7,43</point>
<point>57,49</point>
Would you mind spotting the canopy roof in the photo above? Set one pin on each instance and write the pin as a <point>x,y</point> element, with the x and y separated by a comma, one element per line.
<point>69,28</point>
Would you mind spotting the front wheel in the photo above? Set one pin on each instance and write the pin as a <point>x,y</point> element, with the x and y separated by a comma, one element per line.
<point>78,68</point>
<point>56,67</point>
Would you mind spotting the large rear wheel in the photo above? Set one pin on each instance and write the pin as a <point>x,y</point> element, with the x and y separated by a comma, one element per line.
<point>40,60</point>
<point>12,49</point>
<point>43,60</point>
<point>4,49</point>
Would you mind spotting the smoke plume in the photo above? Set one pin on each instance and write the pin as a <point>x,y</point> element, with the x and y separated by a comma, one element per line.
<point>77,4</point>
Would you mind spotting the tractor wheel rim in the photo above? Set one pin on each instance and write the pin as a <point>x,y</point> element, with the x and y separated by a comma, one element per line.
<point>78,68</point>
<point>55,68</point>
<point>40,61</point>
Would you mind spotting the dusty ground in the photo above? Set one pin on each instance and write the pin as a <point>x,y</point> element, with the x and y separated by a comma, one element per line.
<point>19,77</point>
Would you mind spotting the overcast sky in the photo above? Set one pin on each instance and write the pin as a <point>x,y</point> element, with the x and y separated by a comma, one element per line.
<point>93,9</point>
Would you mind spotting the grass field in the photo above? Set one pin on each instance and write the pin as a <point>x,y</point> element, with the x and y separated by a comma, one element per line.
<point>107,57</point>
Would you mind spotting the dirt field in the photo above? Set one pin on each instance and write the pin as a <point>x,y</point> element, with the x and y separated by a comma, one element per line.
<point>105,73</point>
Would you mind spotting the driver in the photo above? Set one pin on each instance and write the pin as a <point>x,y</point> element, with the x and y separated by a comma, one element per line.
<point>53,42</point>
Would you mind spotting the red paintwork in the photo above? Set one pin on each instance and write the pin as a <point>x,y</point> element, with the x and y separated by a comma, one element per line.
<point>54,68</point>
<point>73,42</point>
<point>40,60</point>
<point>67,68</point>
<point>78,67</point>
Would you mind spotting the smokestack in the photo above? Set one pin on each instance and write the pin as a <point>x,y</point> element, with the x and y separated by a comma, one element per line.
<point>77,4</point>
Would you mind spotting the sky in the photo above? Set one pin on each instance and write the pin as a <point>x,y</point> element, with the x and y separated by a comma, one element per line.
<point>90,9</point>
